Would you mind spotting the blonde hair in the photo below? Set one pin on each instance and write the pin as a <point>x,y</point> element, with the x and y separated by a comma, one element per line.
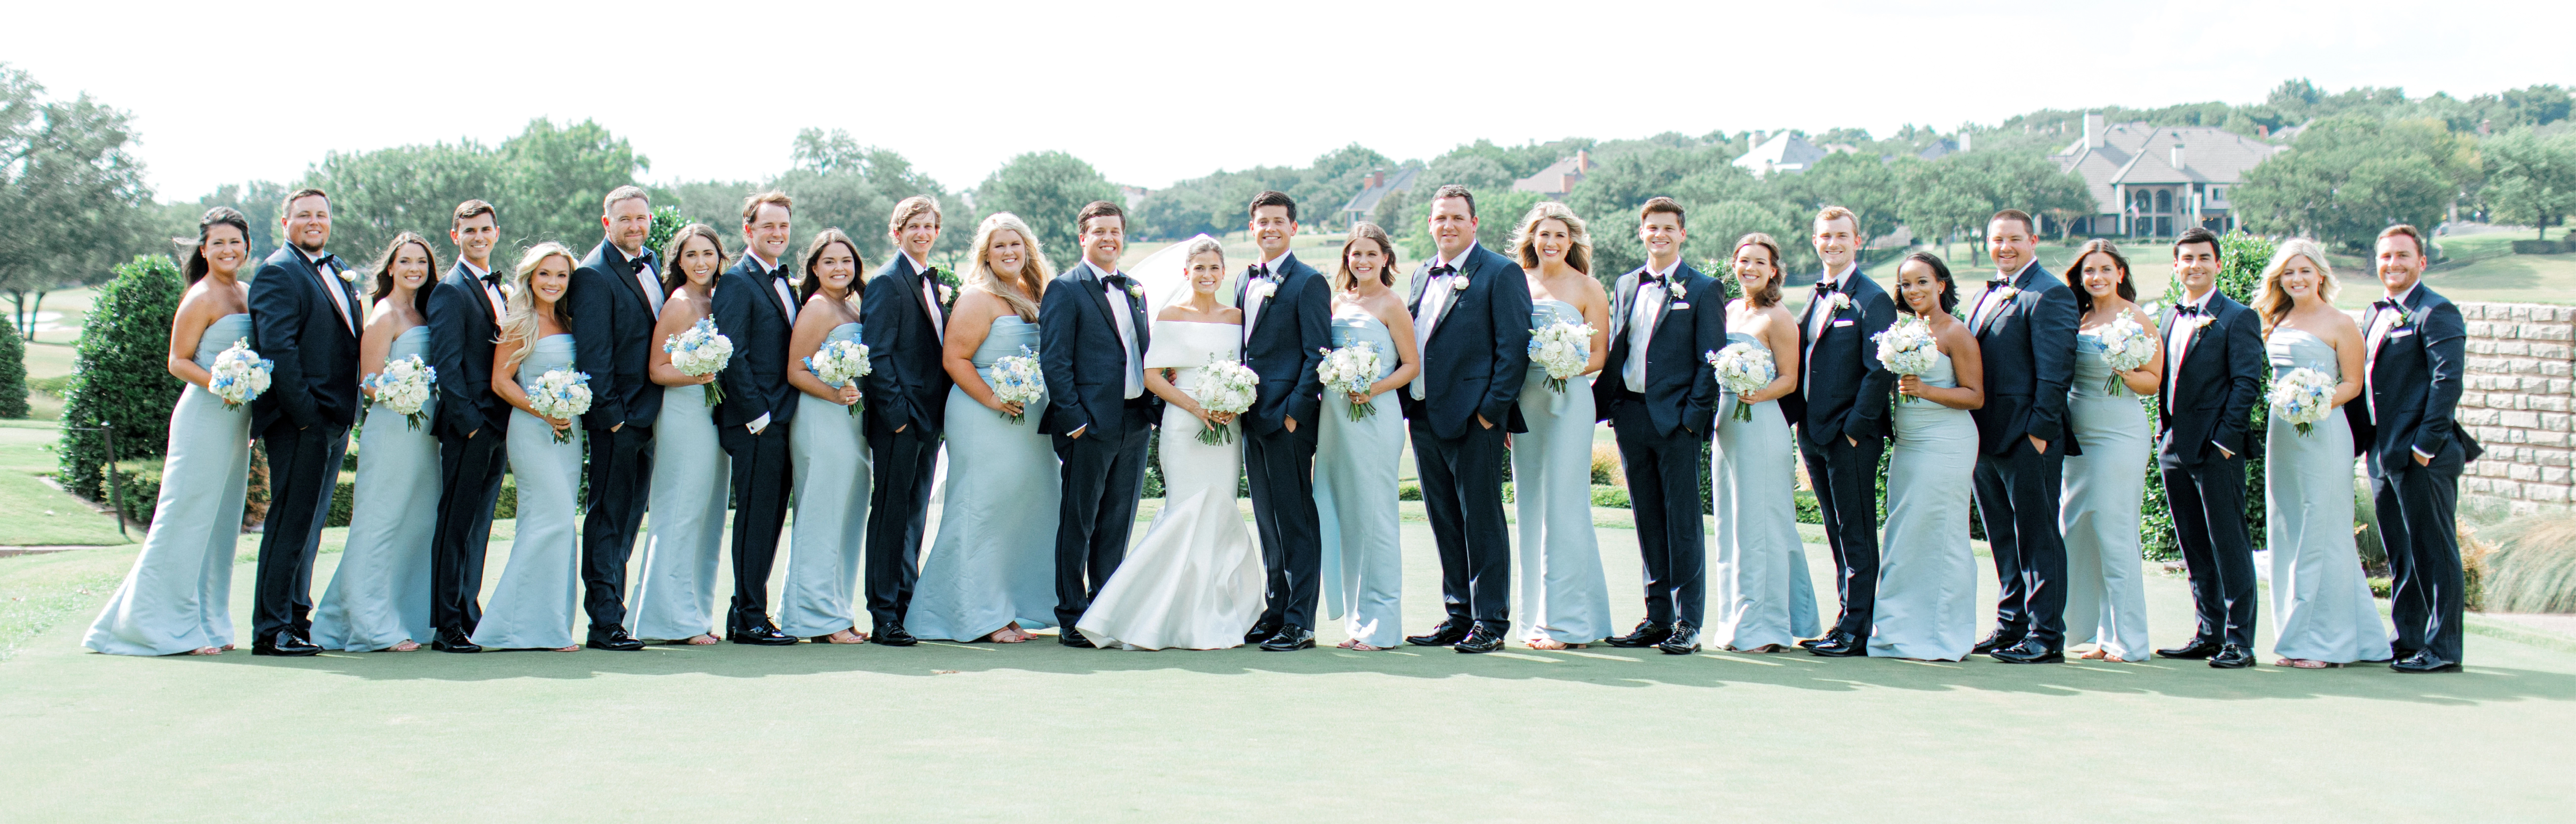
<point>979,274</point>
<point>2271,301</point>
<point>1525,240</point>
<point>520,323</point>
<point>1835,213</point>
<point>912,207</point>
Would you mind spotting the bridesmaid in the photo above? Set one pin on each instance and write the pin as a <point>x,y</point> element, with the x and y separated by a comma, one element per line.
<point>379,597</point>
<point>1927,579</point>
<point>1564,603</point>
<point>178,597</point>
<point>1759,571</point>
<point>990,574</point>
<point>675,596</point>
<point>1356,460</point>
<point>532,608</point>
<point>830,454</point>
<point>2106,595</point>
<point>2321,606</point>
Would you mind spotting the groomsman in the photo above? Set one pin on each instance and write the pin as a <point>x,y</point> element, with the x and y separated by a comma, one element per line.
<point>754,307</point>
<point>2213,377</point>
<point>473,425</point>
<point>304,317</point>
<point>616,300</point>
<point>1287,326</point>
<point>2417,348</point>
<point>1092,336</point>
<point>1660,398</point>
<point>1471,318</point>
<point>907,401</point>
<point>1841,412</point>
<point>2025,325</point>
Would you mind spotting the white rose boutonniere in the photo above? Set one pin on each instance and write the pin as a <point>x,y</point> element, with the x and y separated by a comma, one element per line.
<point>1261,290</point>
<point>1841,301</point>
<point>1680,292</point>
<point>947,295</point>
<point>1136,290</point>
<point>2199,322</point>
<point>1457,283</point>
<point>347,275</point>
<point>2003,292</point>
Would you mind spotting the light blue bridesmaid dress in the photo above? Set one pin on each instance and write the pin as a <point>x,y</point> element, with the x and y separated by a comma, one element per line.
<point>178,596</point>
<point>993,563</point>
<point>2321,607</point>
<point>1562,593</point>
<point>1355,467</point>
<point>1927,573</point>
<point>830,451</point>
<point>675,597</point>
<point>380,595</point>
<point>2106,594</point>
<point>532,607</point>
<point>1759,594</point>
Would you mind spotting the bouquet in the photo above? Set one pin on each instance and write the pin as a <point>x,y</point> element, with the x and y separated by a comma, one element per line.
<point>561,394</point>
<point>2303,397</point>
<point>1743,368</point>
<point>1563,348</point>
<point>1350,370</point>
<point>1224,388</point>
<point>701,350</point>
<point>1015,379</point>
<point>239,375</point>
<point>838,362</point>
<point>2127,346</point>
<point>1908,348</point>
<point>404,387</point>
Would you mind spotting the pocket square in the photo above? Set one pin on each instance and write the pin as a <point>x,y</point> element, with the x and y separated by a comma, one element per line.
<point>1842,323</point>
<point>1681,306</point>
<point>2400,333</point>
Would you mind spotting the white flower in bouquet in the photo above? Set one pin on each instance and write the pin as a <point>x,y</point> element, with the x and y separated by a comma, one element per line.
<point>561,394</point>
<point>1908,348</point>
<point>2303,397</point>
<point>1351,370</point>
<point>701,350</point>
<point>404,387</point>
<point>1743,368</point>
<point>838,362</point>
<point>1563,348</point>
<point>1016,379</point>
<point>2126,346</point>
<point>239,374</point>
<point>1224,388</point>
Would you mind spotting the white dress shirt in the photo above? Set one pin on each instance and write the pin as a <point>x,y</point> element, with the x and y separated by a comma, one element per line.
<point>929,296</point>
<point>489,290</point>
<point>647,278</point>
<point>787,301</point>
<point>1818,317</point>
<point>2379,328</point>
<point>1435,299</point>
<point>1648,305</point>
<point>2178,345</point>
<point>339,296</point>
<point>1119,309</point>
<point>1251,307</point>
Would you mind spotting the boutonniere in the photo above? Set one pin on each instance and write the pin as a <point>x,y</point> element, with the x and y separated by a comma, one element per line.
<point>947,295</point>
<point>1679,293</point>
<point>2403,317</point>
<point>346,275</point>
<point>2003,290</point>
<point>1457,283</point>
<point>1841,301</point>
<point>1262,290</point>
<point>1136,290</point>
<point>2200,321</point>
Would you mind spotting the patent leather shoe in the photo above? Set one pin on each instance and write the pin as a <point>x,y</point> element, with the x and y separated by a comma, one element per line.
<point>892,634</point>
<point>2029,652</point>
<point>1995,640</point>
<point>1838,645</point>
<point>2424,661</point>
<point>285,643</point>
<point>1260,633</point>
<point>2231,656</point>
<point>1448,633</point>
<point>614,640</point>
<point>1289,638</point>
<point>1647,634</point>
<point>450,640</point>
<point>1682,639</point>
<point>764,635</point>
<point>1073,638</point>
<point>2198,649</point>
<point>1481,639</point>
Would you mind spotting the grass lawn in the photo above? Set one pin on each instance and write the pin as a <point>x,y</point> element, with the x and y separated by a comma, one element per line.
<point>32,513</point>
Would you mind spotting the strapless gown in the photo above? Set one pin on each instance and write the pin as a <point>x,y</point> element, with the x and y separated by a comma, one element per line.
<point>532,607</point>
<point>379,597</point>
<point>1927,574</point>
<point>1562,594</point>
<point>178,596</point>
<point>1355,467</point>
<point>2321,606</point>
<point>993,562</point>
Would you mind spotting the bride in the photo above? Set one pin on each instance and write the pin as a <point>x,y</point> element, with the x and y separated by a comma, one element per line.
<point>1195,581</point>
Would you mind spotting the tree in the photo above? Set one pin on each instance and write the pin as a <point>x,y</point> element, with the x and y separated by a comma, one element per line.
<point>553,180</point>
<point>2530,178</point>
<point>120,375</point>
<point>2350,175</point>
<point>855,187</point>
<point>379,194</point>
<point>73,198</point>
<point>1046,189</point>
<point>1939,198</point>
<point>1865,185</point>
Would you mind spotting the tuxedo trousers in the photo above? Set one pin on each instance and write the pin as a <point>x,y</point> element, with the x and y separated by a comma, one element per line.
<point>1664,495</point>
<point>1103,474</point>
<point>303,470</point>
<point>2017,501</point>
<point>1844,475</point>
<point>621,480</point>
<point>2427,588</point>
<point>1280,467</point>
<point>898,502</point>
<point>763,475</point>
<point>2207,502</point>
<point>469,479</point>
<point>1462,493</point>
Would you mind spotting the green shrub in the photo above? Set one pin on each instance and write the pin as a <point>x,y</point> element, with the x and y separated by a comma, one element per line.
<point>139,481</point>
<point>1408,491</point>
<point>13,375</point>
<point>2243,256</point>
<point>1809,512</point>
<point>2533,568</point>
<point>1605,465</point>
<point>1615,497</point>
<point>2365,528</point>
<point>121,375</point>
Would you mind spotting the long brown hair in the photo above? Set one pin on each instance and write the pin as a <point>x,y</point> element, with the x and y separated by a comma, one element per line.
<point>979,274</point>
<point>385,271</point>
<point>1525,241</point>
<point>672,277</point>
<point>813,282</point>
<point>2075,274</point>
<point>1769,294</point>
<point>1370,233</point>
<point>218,216</point>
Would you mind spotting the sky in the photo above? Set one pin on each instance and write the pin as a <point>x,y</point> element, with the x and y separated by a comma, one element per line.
<point>1151,93</point>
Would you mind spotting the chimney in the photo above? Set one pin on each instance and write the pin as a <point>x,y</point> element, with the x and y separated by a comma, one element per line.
<point>2263,131</point>
<point>1761,137</point>
<point>2177,156</point>
<point>1376,178</point>
<point>2093,130</point>
<point>1582,161</point>
<point>1963,140</point>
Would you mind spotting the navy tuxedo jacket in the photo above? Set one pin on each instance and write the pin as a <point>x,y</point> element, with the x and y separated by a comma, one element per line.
<point>2028,344</point>
<point>2416,373</point>
<point>612,334</point>
<point>1478,353</point>
<point>2215,387</point>
<point>1080,354</point>
<point>905,386</point>
<point>1844,392</point>
<point>748,312</point>
<point>461,336</point>
<point>315,347</point>
<point>1681,388</point>
<point>1287,341</point>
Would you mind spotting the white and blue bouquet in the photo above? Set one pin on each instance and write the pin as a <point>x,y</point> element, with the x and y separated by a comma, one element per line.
<point>2126,346</point>
<point>1351,370</point>
<point>1563,349</point>
<point>2303,397</point>
<point>239,375</point>
<point>561,394</point>
<point>404,387</point>
<point>1224,388</point>
<point>701,350</point>
<point>838,362</point>
<point>1908,348</point>
<point>1016,379</point>
<point>1743,368</point>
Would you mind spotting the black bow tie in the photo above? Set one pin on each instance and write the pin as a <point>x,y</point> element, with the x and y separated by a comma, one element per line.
<point>1257,272</point>
<point>1443,271</point>
<point>1649,279</point>
<point>2385,303</point>
<point>323,263</point>
<point>1120,280</point>
<point>2188,310</point>
<point>492,279</point>
<point>931,274</point>
<point>638,264</point>
<point>1824,288</point>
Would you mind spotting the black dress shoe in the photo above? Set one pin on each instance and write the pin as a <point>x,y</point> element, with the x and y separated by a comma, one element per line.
<point>1260,633</point>
<point>284,643</point>
<point>1448,633</point>
<point>2231,656</point>
<point>1073,638</point>
<point>614,640</point>
<point>1647,634</point>
<point>1682,639</point>
<point>1289,638</point>
<point>2198,649</point>
<point>892,635</point>
<point>449,640</point>
<point>1839,645</point>
<point>765,635</point>
<point>1480,639</point>
<point>2424,661</point>
<point>2029,652</point>
<point>1995,640</point>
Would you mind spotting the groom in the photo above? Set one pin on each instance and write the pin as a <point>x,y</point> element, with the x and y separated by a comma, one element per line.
<point>907,404</point>
<point>1092,335</point>
<point>303,317</point>
<point>616,300</point>
<point>2214,364</point>
<point>2025,326</point>
<point>2417,348</point>
<point>1660,398</point>
<point>1287,326</point>
<point>1471,319</point>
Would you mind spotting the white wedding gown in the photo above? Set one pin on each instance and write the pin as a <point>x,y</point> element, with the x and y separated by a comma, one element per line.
<point>1195,581</point>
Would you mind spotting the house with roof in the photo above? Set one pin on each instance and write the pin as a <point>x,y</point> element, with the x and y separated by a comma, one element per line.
<point>1374,191</point>
<point>1784,152</point>
<point>2157,181</point>
<point>1558,178</point>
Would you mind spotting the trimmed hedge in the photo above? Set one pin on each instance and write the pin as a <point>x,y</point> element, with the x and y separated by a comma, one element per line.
<point>121,374</point>
<point>140,480</point>
<point>13,375</point>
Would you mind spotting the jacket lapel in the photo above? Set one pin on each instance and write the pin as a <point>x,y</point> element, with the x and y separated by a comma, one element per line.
<point>1680,273</point>
<point>1096,289</point>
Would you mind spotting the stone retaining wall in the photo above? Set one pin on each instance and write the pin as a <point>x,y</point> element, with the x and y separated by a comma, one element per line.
<point>2521,380</point>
